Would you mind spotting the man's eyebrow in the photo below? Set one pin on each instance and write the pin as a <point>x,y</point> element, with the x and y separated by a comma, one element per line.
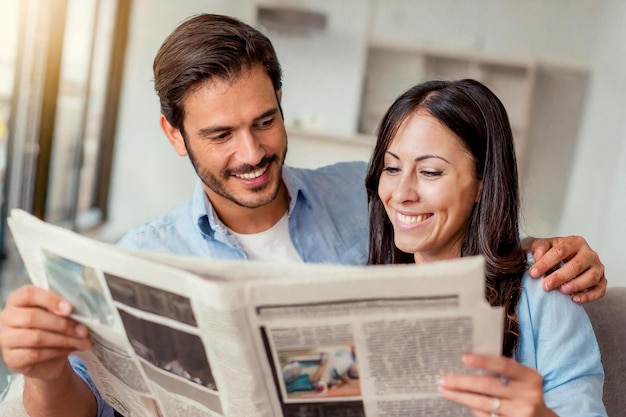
<point>208,131</point>
<point>419,158</point>
<point>268,113</point>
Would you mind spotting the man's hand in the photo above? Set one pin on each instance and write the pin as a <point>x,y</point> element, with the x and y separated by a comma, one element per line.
<point>36,334</point>
<point>581,273</point>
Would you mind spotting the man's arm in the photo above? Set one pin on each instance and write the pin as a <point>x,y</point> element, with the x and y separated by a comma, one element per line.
<point>579,269</point>
<point>36,337</point>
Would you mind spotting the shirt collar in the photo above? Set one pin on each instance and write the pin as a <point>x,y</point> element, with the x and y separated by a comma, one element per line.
<point>202,210</point>
<point>295,188</point>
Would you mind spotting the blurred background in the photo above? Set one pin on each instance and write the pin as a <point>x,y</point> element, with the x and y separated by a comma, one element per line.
<point>80,144</point>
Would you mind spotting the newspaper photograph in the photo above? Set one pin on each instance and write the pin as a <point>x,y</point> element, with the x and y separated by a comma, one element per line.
<point>182,336</point>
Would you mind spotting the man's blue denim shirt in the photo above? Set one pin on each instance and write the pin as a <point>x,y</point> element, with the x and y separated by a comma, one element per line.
<point>327,220</point>
<point>328,224</point>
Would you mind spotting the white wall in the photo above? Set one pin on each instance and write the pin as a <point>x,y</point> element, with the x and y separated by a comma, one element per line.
<point>148,176</point>
<point>320,64</point>
<point>559,30</point>
<point>596,196</point>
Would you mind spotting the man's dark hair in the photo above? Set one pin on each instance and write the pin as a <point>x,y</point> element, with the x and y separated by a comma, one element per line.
<point>208,47</point>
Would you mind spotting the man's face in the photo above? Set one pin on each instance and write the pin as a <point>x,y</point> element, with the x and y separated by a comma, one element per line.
<point>236,140</point>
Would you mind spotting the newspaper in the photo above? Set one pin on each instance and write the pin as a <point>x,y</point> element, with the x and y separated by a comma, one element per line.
<point>177,336</point>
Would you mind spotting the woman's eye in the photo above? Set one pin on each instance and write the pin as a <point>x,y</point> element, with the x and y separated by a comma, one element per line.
<point>431,173</point>
<point>391,170</point>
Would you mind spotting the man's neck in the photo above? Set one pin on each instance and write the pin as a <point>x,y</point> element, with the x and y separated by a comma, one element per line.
<point>253,220</point>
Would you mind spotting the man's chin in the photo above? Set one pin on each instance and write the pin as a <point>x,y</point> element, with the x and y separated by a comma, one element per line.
<point>257,200</point>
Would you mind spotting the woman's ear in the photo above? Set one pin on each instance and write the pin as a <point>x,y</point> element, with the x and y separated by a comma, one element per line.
<point>174,136</point>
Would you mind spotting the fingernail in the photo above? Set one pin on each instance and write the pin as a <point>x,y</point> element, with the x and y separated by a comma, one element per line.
<point>81,330</point>
<point>566,289</point>
<point>467,358</point>
<point>533,272</point>
<point>576,299</point>
<point>441,383</point>
<point>64,307</point>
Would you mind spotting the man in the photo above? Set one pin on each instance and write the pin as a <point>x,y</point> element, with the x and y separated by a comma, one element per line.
<point>219,83</point>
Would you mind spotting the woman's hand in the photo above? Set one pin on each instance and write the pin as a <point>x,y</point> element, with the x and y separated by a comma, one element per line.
<point>504,388</point>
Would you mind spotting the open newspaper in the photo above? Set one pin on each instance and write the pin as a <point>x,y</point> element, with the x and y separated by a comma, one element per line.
<point>178,336</point>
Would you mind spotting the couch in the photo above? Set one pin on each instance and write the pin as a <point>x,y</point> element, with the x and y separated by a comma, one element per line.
<point>608,317</point>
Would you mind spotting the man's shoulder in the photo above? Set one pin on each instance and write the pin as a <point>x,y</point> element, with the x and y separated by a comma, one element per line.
<point>340,177</point>
<point>164,234</point>
<point>351,168</point>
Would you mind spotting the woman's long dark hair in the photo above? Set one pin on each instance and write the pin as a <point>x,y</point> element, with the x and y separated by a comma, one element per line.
<point>479,120</point>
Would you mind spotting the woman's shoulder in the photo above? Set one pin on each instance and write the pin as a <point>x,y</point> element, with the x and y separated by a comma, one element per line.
<point>536,303</point>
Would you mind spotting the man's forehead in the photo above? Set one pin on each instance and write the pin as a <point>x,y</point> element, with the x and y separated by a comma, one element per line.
<point>256,74</point>
<point>230,102</point>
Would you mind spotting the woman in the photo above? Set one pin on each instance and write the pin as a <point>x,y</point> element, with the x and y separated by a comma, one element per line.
<point>442,183</point>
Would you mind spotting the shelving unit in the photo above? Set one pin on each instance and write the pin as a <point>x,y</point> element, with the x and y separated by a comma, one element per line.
<point>392,67</point>
<point>544,101</point>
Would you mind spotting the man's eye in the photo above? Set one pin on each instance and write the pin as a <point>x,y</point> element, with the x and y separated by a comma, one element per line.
<point>221,137</point>
<point>266,122</point>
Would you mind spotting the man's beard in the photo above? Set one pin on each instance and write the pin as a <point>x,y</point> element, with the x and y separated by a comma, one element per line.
<point>218,184</point>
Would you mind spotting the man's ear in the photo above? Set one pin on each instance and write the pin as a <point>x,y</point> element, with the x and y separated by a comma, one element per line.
<point>174,136</point>
<point>279,95</point>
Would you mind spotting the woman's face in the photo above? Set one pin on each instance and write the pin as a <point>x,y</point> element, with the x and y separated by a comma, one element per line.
<point>428,187</point>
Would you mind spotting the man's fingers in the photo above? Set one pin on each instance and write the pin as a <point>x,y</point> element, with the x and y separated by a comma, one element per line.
<point>539,247</point>
<point>571,280</point>
<point>594,293</point>
<point>24,360</point>
<point>40,339</point>
<point>30,296</point>
<point>576,275</point>
<point>553,256</point>
<point>36,318</point>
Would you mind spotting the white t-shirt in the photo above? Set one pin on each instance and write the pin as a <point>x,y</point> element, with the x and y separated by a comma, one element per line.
<point>273,244</point>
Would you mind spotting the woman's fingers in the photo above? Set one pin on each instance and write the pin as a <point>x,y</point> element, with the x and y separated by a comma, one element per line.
<point>480,405</point>
<point>500,386</point>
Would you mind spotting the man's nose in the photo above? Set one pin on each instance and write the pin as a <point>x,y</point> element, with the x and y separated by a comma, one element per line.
<point>249,149</point>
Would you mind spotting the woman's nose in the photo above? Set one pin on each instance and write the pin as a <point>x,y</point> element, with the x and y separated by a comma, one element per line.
<point>406,189</point>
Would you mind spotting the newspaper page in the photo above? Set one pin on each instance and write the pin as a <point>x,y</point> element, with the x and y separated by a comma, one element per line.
<point>376,343</point>
<point>156,352</point>
<point>182,336</point>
